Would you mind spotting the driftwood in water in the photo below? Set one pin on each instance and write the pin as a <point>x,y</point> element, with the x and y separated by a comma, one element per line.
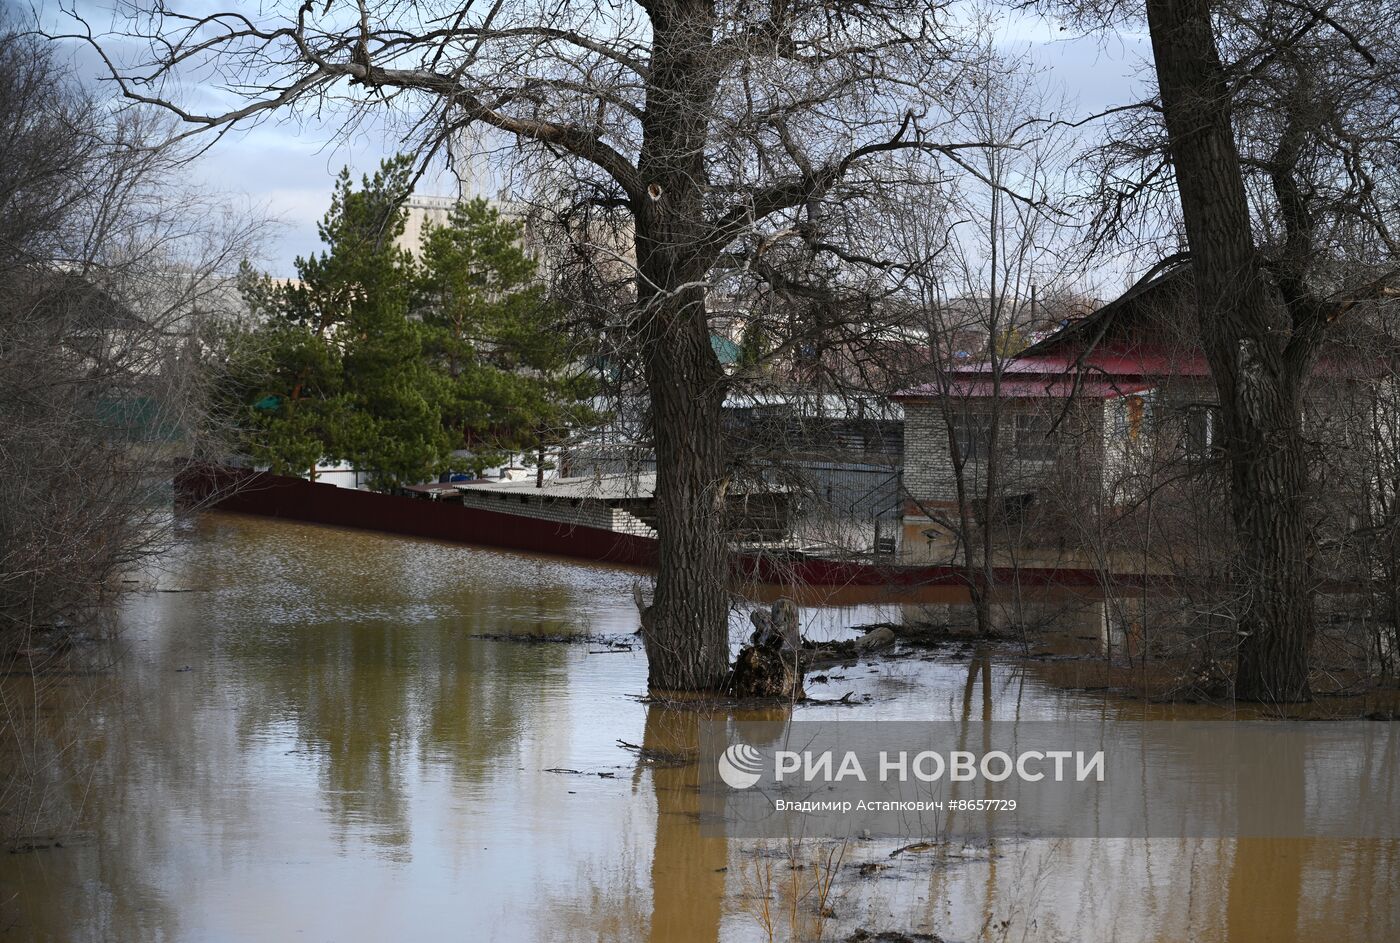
<point>822,654</point>
<point>875,639</point>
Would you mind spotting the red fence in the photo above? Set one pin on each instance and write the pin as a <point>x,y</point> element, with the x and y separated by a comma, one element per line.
<point>296,499</point>
<point>300,500</point>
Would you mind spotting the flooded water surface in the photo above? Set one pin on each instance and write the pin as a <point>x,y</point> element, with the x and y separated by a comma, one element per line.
<point>335,735</point>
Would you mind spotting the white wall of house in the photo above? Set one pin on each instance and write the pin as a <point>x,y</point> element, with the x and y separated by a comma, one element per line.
<point>1029,461</point>
<point>341,475</point>
<point>1155,433</point>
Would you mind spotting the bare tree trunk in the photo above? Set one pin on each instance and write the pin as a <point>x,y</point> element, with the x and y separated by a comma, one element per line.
<point>687,640</point>
<point>978,574</point>
<point>815,93</point>
<point>984,593</point>
<point>1257,359</point>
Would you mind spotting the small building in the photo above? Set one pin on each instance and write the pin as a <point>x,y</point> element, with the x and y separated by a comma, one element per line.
<point>622,503</point>
<point>1095,417</point>
<point>619,503</point>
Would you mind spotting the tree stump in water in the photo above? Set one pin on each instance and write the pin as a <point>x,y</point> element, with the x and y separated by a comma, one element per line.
<point>770,665</point>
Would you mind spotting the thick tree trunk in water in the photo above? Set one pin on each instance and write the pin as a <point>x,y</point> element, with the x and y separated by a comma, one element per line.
<point>1257,362</point>
<point>1268,495</point>
<point>687,635</point>
<point>687,642</point>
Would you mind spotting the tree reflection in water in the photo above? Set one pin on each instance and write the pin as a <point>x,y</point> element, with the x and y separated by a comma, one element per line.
<point>343,757</point>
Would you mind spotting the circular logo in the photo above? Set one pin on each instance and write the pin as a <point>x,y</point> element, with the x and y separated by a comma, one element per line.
<point>740,766</point>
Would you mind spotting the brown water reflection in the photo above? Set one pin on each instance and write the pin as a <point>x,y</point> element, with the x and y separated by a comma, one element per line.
<point>344,760</point>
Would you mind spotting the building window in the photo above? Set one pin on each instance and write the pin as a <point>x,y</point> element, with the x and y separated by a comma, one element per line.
<point>1129,415</point>
<point>1035,438</point>
<point>1118,419</point>
<point>971,433</point>
<point>1202,431</point>
<point>1137,413</point>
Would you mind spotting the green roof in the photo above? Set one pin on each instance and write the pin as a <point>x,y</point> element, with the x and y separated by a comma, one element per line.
<point>726,350</point>
<point>138,418</point>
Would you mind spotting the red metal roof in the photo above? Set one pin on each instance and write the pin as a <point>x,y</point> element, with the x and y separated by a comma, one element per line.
<point>1117,350</point>
<point>1103,374</point>
<point>1060,388</point>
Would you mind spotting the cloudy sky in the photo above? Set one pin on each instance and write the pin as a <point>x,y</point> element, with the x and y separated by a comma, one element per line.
<point>286,167</point>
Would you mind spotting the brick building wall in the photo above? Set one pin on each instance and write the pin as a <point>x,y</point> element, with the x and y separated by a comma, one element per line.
<point>1079,438</point>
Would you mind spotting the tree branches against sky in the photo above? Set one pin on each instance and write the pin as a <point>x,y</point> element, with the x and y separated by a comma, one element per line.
<point>288,162</point>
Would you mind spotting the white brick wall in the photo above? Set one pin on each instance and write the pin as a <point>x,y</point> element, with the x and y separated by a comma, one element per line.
<point>625,522</point>
<point>928,463</point>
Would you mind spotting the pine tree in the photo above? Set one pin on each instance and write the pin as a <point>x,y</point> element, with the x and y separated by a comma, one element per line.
<point>336,369</point>
<point>370,358</point>
<point>497,339</point>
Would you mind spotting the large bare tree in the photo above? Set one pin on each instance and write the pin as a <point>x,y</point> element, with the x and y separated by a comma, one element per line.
<point>978,303</point>
<point>721,127</point>
<point>1274,136</point>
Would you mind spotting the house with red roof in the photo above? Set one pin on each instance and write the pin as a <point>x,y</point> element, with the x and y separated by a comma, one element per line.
<point>1092,419</point>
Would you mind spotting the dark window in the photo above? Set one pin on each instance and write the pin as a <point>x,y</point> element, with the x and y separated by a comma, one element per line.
<point>1137,415</point>
<point>1128,416</point>
<point>971,434</point>
<point>1202,431</point>
<point>1035,438</point>
<point>1118,419</point>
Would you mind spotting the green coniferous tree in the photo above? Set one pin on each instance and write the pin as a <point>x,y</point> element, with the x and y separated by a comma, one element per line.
<point>335,369</point>
<point>371,358</point>
<point>508,361</point>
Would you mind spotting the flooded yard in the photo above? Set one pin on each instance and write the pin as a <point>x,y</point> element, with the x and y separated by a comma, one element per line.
<point>333,735</point>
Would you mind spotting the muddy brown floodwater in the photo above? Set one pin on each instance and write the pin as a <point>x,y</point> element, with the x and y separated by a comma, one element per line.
<point>314,741</point>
